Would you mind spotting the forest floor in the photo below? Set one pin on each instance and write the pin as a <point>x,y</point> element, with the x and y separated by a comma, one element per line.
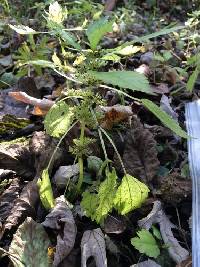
<point>94,164</point>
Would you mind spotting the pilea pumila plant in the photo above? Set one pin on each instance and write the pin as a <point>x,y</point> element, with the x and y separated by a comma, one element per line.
<point>80,61</point>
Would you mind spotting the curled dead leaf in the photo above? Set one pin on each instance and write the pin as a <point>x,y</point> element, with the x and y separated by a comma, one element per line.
<point>93,245</point>
<point>114,115</point>
<point>61,219</point>
<point>23,206</point>
<point>140,154</point>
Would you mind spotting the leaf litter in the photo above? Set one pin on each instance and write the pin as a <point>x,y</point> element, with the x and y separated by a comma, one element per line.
<point>126,150</point>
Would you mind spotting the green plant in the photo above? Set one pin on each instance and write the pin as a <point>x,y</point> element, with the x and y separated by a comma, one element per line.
<point>129,193</point>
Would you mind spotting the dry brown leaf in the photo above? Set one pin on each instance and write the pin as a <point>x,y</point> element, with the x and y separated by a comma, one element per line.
<point>186,263</point>
<point>25,98</point>
<point>110,5</point>
<point>140,154</point>
<point>114,225</point>
<point>61,218</point>
<point>23,207</point>
<point>7,199</point>
<point>17,157</point>
<point>114,115</point>
<point>37,111</point>
<point>158,216</point>
<point>93,245</point>
<point>161,88</point>
<point>174,188</point>
<point>143,69</point>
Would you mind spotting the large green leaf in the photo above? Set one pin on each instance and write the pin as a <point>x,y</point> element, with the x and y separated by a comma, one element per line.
<point>69,38</point>
<point>106,196</point>
<point>146,243</point>
<point>29,246</point>
<point>164,118</point>
<point>97,30</point>
<point>58,119</point>
<point>45,190</point>
<point>124,79</point>
<point>130,194</point>
<point>97,206</point>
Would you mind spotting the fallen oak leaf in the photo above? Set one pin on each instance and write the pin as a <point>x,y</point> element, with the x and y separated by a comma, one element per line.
<point>93,245</point>
<point>60,218</point>
<point>114,115</point>
<point>27,99</point>
<point>29,246</point>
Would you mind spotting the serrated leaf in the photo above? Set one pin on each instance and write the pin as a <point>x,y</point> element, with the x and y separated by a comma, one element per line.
<point>192,79</point>
<point>164,118</point>
<point>69,38</point>
<point>124,79</point>
<point>106,196</point>
<point>89,204</point>
<point>45,190</point>
<point>97,30</point>
<point>146,243</point>
<point>21,29</point>
<point>58,119</point>
<point>128,50</point>
<point>130,194</point>
<point>29,246</point>
<point>97,206</point>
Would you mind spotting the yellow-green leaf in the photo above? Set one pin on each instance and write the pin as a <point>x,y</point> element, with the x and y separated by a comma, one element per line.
<point>164,118</point>
<point>97,30</point>
<point>58,119</point>
<point>130,194</point>
<point>45,190</point>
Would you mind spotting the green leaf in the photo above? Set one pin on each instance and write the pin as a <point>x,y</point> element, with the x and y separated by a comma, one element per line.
<point>146,243</point>
<point>89,204</point>
<point>158,33</point>
<point>192,80</point>
<point>106,196</point>
<point>41,63</point>
<point>128,50</point>
<point>97,30</point>
<point>69,38</point>
<point>130,194</point>
<point>156,232</point>
<point>124,79</point>
<point>45,190</point>
<point>21,29</point>
<point>29,246</point>
<point>111,57</point>
<point>58,119</point>
<point>164,118</point>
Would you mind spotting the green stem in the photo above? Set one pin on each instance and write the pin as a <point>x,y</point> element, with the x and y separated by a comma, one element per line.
<point>80,160</point>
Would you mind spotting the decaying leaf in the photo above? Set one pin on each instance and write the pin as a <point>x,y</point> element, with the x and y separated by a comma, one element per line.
<point>110,5</point>
<point>93,245</point>
<point>148,263</point>
<point>157,215</point>
<point>61,219</point>
<point>114,224</point>
<point>114,115</point>
<point>161,88</point>
<point>140,154</point>
<point>25,98</point>
<point>7,199</point>
<point>186,263</point>
<point>174,188</point>
<point>64,174</point>
<point>17,157</point>
<point>23,206</point>
<point>29,245</point>
<point>165,104</point>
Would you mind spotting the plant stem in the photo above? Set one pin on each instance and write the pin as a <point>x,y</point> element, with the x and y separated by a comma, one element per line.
<point>80,160</point>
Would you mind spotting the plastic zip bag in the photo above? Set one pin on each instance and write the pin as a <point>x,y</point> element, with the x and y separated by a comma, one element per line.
<point>193,127</point>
